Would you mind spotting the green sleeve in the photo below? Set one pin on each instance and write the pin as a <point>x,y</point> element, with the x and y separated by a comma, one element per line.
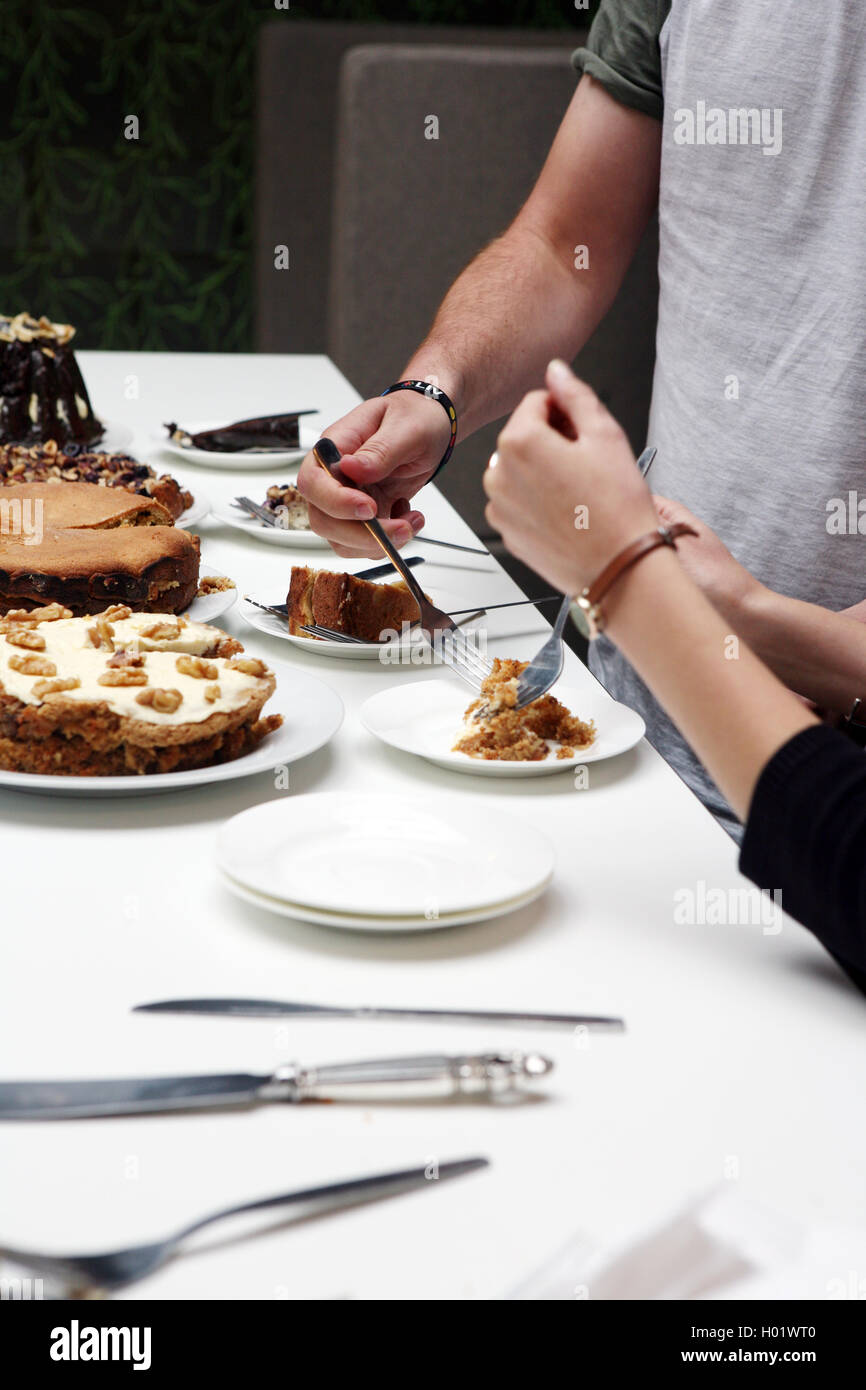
<point>622,52</point>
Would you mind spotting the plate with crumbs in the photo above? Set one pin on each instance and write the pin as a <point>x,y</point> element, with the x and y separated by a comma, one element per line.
<point>427,719</point>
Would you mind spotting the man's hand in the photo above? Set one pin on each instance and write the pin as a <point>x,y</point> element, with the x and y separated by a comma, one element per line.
<point>728,585</point>
<point>391,446</point>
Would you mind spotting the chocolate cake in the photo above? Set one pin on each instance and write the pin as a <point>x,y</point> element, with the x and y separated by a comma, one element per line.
<point>48,463</point>
<point>42,391</point>
<point>124,693</point>
<point>86,547</point>
<point>347,604</point>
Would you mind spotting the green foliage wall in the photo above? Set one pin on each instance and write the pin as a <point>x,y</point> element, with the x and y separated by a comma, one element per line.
<point>146,243</point>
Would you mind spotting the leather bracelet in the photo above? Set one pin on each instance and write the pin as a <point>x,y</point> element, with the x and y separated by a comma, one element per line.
<point>434,393</point>
<point>585,610</point>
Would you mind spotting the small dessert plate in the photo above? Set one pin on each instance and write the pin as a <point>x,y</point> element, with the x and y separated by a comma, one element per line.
<point>409,650</point>
<point>197,512</point>
<point>245,459</point>
<point>313,714</point>
<point>372,855</point>
<point>355,921</point>
<point>209,607</point>
<point>426,719</point>
<point>271,535</point>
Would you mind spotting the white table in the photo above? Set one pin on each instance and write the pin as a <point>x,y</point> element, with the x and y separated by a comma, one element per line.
<point>737,1063</point>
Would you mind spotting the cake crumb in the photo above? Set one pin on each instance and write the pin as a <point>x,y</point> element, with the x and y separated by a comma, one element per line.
<point>497,731</point>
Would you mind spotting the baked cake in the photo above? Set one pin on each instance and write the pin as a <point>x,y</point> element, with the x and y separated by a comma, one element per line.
<point>494,730</point>
<point>355,606</point>
<point>48,463</point>
<point>123,693</point>
<point>288,506</point>
<point>90,547</point>
<point>42,391</point>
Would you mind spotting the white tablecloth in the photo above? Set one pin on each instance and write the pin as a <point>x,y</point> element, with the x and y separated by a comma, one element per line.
<point>742,1055</point>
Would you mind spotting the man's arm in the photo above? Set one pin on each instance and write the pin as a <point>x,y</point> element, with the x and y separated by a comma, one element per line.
<point>518,303</point>
<point>522,301</point>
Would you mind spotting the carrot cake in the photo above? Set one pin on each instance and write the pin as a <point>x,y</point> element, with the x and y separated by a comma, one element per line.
<point>358,607</point>
<point>124,692</point>
<point>494,730</point>
<point>42,391</point>
<point>86,547</point>
<point>49,463</point>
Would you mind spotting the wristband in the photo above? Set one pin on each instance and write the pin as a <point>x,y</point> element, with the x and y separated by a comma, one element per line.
<point>586,614</point>
<point>434,393</point>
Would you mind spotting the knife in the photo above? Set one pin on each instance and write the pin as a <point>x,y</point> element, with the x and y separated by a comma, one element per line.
<point>492,1075</point>
<point>273,1008</point>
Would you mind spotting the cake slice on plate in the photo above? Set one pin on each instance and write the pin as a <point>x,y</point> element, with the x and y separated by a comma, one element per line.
<point>358,607</point>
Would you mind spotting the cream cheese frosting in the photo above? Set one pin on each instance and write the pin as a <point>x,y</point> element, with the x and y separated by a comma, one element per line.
<point>68,649</point>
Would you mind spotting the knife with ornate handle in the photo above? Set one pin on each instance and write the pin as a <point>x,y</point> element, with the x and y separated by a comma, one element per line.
<point>276,1008</point>
<point>489,1075</point>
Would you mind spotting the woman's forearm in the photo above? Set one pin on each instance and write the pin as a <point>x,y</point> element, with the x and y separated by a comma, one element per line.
<point>817,653</point>
<point>725,702</point>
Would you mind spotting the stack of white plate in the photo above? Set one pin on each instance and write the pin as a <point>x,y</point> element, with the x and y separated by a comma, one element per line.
<point>383,863</point>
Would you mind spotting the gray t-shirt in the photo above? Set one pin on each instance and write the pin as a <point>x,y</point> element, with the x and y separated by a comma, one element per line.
<point>759,395</point>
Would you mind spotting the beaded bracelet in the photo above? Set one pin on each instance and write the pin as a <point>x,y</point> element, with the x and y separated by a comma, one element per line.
<point>435,393</point>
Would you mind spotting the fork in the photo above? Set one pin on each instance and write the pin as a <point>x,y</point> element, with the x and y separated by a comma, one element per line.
<point>332,635</point>
<point>114,1269</point>
<point>546,666</point>
<point>266,517</point>
<point>439,630</point>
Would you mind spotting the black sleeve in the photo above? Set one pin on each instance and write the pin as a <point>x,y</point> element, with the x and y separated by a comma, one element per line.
<point>806,836</point>
<point>622,52</point>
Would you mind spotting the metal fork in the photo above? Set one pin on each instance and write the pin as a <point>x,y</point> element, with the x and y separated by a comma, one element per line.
<point>439,630</point>
<point>332,635</point>
<point>268,518</point>
<point>546,666</point>
<point>115,1269</point>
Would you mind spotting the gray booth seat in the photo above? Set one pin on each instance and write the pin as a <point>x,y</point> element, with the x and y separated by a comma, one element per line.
<point>410,212</point>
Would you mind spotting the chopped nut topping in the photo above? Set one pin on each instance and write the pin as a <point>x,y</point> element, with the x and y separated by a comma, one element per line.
<point>125,660</point>
<point>212,693</point>
<point>250,665</point>
<point>25,637</point>
<point>161,632</point>
<point>43,688</point>
<point>51,614</point>
<point>117,612</point>
<point>195,666</point>
<point>102,635</point>
<point>163,701</point>
<point>32,666</point>
<point>124,676</point>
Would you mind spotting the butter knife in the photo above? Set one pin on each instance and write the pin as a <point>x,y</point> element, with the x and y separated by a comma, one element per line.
<point>277,1008</point>
<point>491,1075</point>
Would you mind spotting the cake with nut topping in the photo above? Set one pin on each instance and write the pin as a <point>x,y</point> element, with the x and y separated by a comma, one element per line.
<point>123,692</point>
<point>42,391</point>
<point>49,463</point>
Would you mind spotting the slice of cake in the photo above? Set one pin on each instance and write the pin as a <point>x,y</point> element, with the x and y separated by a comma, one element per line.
<point>358,607</point>
<point>42,391</point>
<point>87,547</point>
<point>48,463</point>
<point>288,506</point>
<point>123,693</point>
<point>494,730</point>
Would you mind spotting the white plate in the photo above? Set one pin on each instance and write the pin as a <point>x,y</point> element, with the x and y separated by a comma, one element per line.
<point>313,713</point>
<point>411,645</point>
<point>358,922</point>
<point>425,719</point>
<point>211,606</point>
<point>246,459</point>
<point>373,855</point>
<point>271,535</point>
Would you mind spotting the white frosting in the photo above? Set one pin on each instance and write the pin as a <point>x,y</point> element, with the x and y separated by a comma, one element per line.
<point>65,646</point>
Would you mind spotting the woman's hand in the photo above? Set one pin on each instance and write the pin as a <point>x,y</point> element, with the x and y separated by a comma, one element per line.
<point>728,585</point>
<point>566,505</point>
